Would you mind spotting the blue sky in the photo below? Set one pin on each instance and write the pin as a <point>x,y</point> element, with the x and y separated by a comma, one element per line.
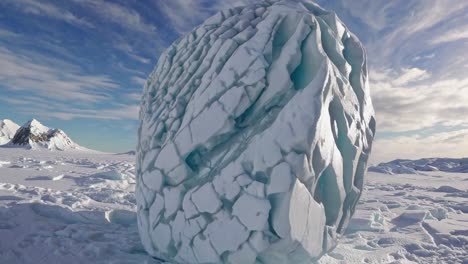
<point>80,65</point>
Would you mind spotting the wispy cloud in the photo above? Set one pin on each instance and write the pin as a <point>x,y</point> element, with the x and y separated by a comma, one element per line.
<point>8,34</point>
<point>189,13</point>
<point>139,80</point>
<point>52,88</point>
<point>40,8</point>
<point>47,109</point>
<point>456,34</point>
<point>373,13</point>
<point>185,14</point>
<point>410,101</point>
<point>24,73</point>
<point>135,96</point>
<point>130,51</point>
<point>396,32</point>
<point>429,13</point>
<point>117,113</point>
<point>410,76</point>
<point>126,17</point>
<point>125,20</point>
<point>126,28</point>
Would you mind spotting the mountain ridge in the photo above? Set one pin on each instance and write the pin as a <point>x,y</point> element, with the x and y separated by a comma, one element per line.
<point>34,135</point>
<point>407,166</point>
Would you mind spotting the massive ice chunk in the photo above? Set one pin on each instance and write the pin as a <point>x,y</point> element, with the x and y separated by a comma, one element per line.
<point>255,133</point>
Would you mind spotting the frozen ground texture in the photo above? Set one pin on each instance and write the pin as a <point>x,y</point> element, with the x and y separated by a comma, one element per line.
<point>68,207</point>
<point>422,166</point>
<point>408,218</point>
<point>255,133</point>
<point>79,207</point>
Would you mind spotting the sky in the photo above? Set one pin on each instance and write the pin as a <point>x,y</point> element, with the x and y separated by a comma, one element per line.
<point>80,65</point>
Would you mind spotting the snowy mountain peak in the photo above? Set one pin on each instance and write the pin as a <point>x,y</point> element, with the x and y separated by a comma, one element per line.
<point>9,123</point>
<point>36,127</point>
<point>33,134</point>
<point>8,129</point>
<point>33,122</point>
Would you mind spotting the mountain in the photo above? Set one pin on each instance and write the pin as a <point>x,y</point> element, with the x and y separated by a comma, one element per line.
<point>35,135</point>
<point>404,166</point>
<point>8,129</point>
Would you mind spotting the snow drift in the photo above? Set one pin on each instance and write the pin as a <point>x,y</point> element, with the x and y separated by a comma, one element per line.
<point>255,133</point>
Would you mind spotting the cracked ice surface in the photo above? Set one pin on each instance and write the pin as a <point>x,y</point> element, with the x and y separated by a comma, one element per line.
<point>255,133</point>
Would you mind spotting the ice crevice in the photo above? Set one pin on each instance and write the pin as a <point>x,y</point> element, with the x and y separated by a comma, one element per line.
<point>254,137</point>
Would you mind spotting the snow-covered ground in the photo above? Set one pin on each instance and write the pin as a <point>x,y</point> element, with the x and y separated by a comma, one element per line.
<point>68,207</point>
<point>78,207</point>
<point>408,218</point>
